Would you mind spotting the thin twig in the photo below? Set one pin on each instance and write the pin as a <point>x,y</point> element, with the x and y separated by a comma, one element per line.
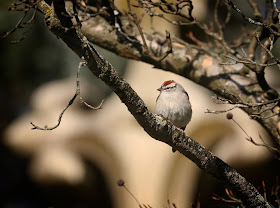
<point>174,8</point>
<point>258,109</point>
<point>30,23</point>
<point>135,20</point>
<point>59,118</point>
<point>221,111</point>
<point>169,49</point>
<point>250,20</point>
<point>270,46</point>
<point>78,91</point>
<point>255,8</point>
<point>247,61</point>
<point>216,18</point>
<point>232,199</point>
<point>16,26</point>
<point>273,150</point>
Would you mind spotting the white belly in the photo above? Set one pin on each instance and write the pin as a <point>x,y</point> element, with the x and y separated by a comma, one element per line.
<point>175,108</point>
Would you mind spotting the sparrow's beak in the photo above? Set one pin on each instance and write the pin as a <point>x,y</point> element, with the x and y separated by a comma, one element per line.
<point>160,89</point>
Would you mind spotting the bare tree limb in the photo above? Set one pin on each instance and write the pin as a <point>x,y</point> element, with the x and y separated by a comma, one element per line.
<point>154,125</point>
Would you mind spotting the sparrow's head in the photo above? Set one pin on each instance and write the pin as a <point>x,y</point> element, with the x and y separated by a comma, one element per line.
<point>168,86</point>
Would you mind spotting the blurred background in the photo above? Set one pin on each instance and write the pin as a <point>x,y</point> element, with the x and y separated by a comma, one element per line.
<point>79,163</point>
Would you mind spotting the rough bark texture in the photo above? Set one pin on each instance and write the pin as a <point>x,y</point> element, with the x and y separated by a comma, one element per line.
<point>155,126</point>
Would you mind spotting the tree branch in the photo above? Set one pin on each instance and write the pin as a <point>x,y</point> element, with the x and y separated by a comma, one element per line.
<point>192,62</point>
<point>154,125</point>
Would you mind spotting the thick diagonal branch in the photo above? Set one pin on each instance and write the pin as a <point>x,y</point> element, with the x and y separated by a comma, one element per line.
<point>155,126</point>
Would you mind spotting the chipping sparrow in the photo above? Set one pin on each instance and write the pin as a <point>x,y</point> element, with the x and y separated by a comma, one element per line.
<point>173,104</point>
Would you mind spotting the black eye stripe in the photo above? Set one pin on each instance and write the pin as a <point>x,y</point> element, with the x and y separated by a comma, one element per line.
<point>168,87</point>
